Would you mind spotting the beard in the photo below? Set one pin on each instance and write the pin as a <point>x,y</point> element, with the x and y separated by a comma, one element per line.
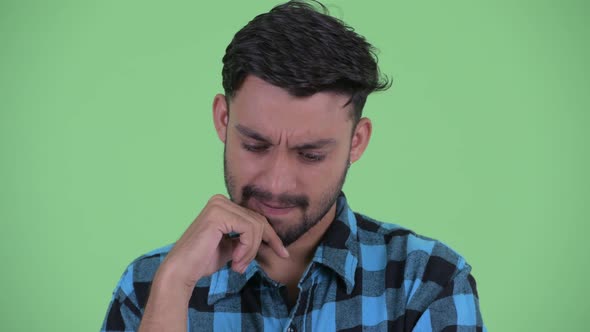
<point>311,214</point>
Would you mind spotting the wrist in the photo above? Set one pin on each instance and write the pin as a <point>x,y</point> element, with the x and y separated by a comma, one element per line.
<point>170,282</point>
<point>167,304</point>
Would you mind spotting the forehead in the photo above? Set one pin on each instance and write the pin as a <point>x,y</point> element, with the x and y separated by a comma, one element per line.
<point>265,107</point>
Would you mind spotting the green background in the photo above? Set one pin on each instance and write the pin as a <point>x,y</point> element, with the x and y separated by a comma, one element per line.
<point>107,149</point>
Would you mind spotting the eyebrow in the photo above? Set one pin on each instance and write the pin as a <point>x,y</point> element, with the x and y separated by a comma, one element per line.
<point>316,144</point>
<point>252,134</point>
<point>305,146</point>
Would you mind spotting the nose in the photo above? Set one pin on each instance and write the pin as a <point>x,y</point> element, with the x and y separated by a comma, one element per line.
<point>280,174</point>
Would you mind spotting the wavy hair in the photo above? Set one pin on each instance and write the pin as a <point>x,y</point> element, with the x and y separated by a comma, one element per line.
<point>297,46</point>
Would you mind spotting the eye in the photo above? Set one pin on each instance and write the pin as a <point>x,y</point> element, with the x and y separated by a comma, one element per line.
<point>312,157</point>
<point>255,148</point>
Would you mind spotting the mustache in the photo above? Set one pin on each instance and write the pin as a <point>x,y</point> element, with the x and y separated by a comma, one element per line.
<point>251,191</point>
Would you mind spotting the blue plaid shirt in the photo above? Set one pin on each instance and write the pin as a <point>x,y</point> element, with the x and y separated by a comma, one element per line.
<point>365,276</point>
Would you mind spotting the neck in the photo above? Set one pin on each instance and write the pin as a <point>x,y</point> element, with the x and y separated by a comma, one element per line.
<point>289,270</point>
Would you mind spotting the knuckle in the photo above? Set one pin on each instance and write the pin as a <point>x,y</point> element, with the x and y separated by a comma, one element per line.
<point>261,227</point>
<point>212,210</point>
<point>260,219</point>
<point>248,212</point>
<point>217,198</point>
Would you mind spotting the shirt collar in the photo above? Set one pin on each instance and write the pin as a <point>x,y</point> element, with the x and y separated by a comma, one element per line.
<point>338,250</point>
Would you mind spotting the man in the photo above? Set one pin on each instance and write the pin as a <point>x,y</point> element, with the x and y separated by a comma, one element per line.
<point>285,252</point>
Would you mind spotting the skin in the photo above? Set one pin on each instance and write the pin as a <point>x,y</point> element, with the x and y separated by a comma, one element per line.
<point>294,153</point>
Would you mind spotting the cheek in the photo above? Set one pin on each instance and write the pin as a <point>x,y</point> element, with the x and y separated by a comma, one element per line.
<point>241,164</point>
<point>319,178</point>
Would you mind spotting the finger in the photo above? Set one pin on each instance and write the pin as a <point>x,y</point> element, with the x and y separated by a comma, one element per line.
<point>270,237</point>
<point>241,265</point>
<point>257,220</point>
<point>248,250</point>
<point>242,249</point>
<point>236,208</point>
<point>238,267</point>
<point>246,245</point>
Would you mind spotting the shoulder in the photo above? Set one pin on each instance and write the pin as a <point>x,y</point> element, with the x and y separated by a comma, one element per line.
<point>146,265</point>
<point>140,272</point>
<point>131,293</point>
<point>432,281</point>
<point>416,256</point>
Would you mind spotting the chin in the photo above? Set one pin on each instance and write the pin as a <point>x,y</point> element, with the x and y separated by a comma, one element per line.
<point>278,223</point>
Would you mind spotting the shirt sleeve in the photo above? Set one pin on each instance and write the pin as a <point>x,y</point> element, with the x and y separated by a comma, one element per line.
<point>123,313</point>
<point>456,308</point>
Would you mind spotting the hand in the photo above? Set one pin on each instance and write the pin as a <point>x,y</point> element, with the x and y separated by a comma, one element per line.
<point>203,249</point>
<point>205,246</point>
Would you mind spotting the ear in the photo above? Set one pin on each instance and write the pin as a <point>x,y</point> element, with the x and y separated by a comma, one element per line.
<point>360,139</point>
<point>220,116</point>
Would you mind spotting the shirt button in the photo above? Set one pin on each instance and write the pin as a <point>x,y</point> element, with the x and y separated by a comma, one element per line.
<point>291,329</point>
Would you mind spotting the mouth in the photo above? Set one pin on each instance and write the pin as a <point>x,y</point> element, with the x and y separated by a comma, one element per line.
<point>270,209</point>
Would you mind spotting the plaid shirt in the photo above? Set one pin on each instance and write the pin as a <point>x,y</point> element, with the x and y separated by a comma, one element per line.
<point>365,276</point>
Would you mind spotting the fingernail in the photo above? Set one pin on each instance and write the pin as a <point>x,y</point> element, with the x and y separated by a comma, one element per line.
<point>285,252</point>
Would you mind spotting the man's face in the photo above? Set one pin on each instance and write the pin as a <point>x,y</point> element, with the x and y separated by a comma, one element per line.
<point>286,157</point>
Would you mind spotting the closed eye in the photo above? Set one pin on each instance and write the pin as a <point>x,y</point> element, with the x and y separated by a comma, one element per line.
<point>312,157</point>
<point>256,148</point>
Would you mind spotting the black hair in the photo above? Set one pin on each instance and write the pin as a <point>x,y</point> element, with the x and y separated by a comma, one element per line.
<point>297,46</point>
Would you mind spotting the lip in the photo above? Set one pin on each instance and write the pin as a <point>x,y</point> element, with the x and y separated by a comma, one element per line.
<point>268,210</point>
